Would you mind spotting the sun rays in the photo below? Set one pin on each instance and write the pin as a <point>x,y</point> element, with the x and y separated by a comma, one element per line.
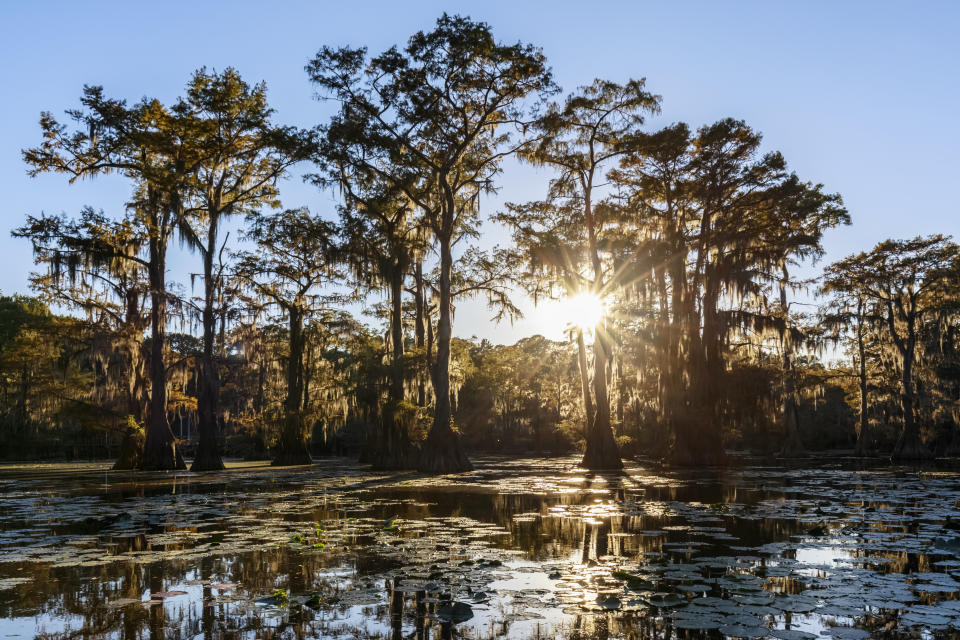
<point>585,310</point>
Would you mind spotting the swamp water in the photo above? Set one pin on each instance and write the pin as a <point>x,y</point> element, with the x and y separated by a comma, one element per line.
<point>516,549</point>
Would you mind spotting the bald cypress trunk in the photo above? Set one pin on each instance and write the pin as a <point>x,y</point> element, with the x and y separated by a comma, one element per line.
<point>393,449</point>
<point>442,452</point>
<point>585,384</point>
<point>601,450</point>
<point>909,446</point>
<point>131,444</point>
<point>419,332</point>
<point>696,429</point>
<point>792,445</point>
<point>159,449</point>
<point>292,447</point>
<point>864,439</point>
<point>697,437</point>
<point>131,450</point>
<point>621,399</point>
<point>208,451</point>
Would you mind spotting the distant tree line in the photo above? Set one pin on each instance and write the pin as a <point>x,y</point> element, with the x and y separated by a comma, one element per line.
<point>690,240</point>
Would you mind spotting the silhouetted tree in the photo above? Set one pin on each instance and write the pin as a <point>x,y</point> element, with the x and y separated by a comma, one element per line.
<point>151,145</point>
<point>720,224</point>
<point>578,139</point>
<point>243,155</point>
<point>112,299</point>
<point>851,315</point>
<point>908,280</point>
<point>436,113</point>
<point>294,258</point>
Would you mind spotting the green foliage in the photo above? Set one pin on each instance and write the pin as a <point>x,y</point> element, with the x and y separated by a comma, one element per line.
<point>634,582</point>
<point>45,378</point>
<point>133,425</point>
<point>689,236</point>
<point>433,121</point>
<point>905,292</point>
<point>514,398</point>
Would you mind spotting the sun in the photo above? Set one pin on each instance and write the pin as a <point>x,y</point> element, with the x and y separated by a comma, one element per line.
<point>555,318</point>
<point>584,310</point>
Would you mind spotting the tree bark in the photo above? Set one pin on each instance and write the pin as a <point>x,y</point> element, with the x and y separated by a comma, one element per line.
<point>419,332</point>
<point>792,445</point>
<point>621,399</point>
<point>208,451</point>
<point>442,452</point>
<point>909,446</point>
<point>585,385</point>
<point>159,449</point>
<point>393,449</point>
<point>601,448</point>
<point>697,437</point>
<point>601,451</point>
<point>864,441</point>
<point>292,447</point>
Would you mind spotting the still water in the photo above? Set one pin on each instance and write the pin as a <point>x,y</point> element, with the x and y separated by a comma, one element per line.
<point>531,548</point>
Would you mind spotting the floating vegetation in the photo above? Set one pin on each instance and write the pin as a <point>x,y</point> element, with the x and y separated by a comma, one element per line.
<point>281,598</point>
<point>757,552</point>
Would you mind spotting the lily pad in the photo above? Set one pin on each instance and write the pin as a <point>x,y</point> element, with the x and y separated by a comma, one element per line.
<point>455,612</point>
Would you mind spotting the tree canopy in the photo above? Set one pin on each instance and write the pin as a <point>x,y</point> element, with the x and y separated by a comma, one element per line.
<point>686,253</point>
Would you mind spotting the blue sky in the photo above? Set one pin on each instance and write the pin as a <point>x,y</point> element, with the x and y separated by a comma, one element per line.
<point>861,96</point>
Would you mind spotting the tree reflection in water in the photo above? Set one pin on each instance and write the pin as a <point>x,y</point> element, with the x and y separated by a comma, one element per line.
<point>528,550</point>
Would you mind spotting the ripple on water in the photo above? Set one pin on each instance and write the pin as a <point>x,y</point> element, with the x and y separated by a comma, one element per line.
<point>516,548</point>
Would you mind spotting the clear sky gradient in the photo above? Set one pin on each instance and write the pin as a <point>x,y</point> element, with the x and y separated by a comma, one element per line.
<point>861,96</point>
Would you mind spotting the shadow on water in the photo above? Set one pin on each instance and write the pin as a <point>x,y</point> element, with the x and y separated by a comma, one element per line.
<point>517,549</point>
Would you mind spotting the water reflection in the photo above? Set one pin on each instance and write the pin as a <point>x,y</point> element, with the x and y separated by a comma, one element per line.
<point>515,549</point>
